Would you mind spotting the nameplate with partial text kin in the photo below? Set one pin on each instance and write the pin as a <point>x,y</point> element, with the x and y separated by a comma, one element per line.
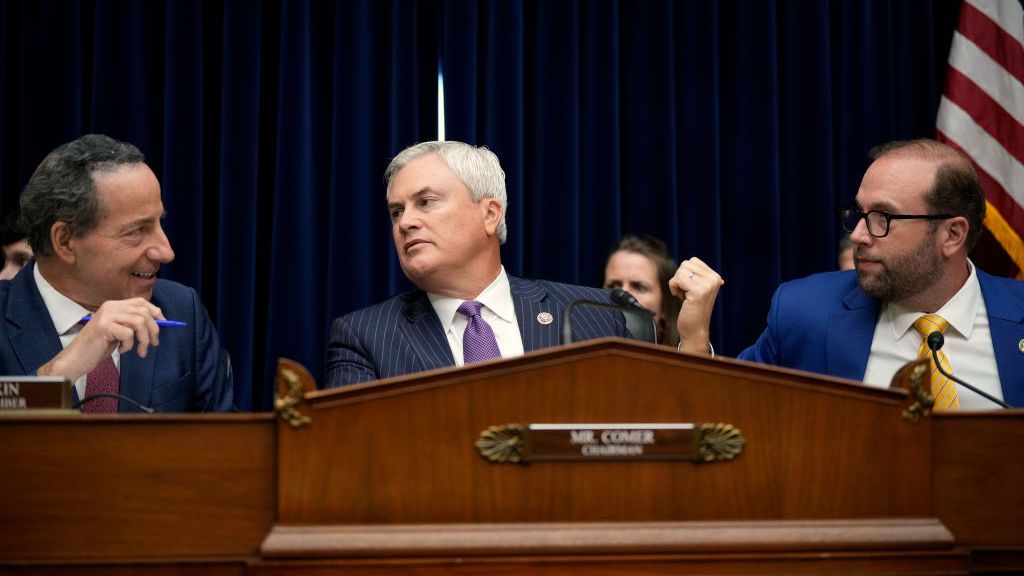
<point>522,444</point>
<point>18,393</point>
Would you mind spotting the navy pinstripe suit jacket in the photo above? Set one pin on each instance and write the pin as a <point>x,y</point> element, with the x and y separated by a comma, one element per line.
<point>403,334</point>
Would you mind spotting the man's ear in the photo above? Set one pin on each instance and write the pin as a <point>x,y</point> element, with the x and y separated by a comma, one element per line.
<point>493,212</point>
<point>63,242</point>
<point>956,236</point>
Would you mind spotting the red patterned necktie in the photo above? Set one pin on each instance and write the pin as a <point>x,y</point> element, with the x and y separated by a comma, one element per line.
<point>478,342</point>
<point>104,379</point>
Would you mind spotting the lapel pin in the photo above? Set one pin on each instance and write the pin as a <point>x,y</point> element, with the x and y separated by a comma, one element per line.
<point>545,318</point>
<point>1020,345</point>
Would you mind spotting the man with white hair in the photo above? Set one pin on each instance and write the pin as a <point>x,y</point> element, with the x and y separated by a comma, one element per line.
<point>447,203</point>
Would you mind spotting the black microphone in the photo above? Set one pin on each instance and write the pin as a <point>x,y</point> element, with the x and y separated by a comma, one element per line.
<point>639,320</point>
<point>92,397</point>
<point>935,342</point>
<point>625,303</point>
<point>627,300</point>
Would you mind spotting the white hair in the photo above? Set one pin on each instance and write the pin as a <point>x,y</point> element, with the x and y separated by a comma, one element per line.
<point>477,167</point>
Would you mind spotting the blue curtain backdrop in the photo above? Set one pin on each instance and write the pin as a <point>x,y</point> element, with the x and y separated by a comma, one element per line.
<point>734,130</point>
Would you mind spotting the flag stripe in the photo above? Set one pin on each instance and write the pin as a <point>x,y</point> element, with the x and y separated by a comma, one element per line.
<point>1001,209</point>
<point>981,113</point>
<point>1007,15</point>
<point>996,193</point>
<point>987,152</point>
<point>984,31</point>
<point>988,74</point>
<point>986,113</point>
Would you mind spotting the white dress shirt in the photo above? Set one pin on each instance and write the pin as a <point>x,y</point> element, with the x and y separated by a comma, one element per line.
<point>498,310</point>
<point>968,344</point>
<point>67,319</point>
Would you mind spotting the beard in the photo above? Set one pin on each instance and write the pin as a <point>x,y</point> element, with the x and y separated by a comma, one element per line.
<point>904,275</point>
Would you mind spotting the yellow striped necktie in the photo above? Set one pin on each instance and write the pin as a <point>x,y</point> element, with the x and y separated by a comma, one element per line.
<point>943,388</point>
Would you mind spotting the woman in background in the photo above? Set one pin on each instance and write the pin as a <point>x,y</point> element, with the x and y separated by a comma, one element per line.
<point>642,266</point>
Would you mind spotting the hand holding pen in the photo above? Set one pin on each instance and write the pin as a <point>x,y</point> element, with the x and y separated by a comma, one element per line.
<point>124,325</point>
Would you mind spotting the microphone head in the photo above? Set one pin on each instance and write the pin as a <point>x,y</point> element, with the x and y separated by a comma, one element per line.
<point>623,298</point>
<point>935,340</point>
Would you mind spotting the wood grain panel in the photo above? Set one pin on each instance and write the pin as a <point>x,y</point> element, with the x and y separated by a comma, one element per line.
<point>131,487</point>
<point>979,477</point>
<point>402,451</point>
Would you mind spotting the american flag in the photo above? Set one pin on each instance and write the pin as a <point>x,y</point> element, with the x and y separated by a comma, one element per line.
<point>982,112</point>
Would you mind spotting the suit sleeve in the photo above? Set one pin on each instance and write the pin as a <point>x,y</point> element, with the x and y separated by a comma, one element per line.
<point>766,349</point>
<point>214,376</point>
<point>588,322</point>
<point>348,361</point>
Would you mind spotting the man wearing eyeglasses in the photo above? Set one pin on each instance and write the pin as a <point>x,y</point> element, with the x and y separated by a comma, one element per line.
<point>918,213</point>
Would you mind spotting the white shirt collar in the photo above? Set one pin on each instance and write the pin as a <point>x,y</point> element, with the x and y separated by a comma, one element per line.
<point>65,312</point>
<point>960,310</point>
<point>497,297</point>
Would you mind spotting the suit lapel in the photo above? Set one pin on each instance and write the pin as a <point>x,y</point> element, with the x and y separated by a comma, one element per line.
<point>850,332</point>
<point>1006,323</point>
<point>423,333</point>
<point>530,300</point>
<point>33,337</point>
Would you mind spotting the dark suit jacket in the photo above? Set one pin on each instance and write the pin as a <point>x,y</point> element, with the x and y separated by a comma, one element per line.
<point>824,323</point>
<point>403,334</point>
<point>187,372</point>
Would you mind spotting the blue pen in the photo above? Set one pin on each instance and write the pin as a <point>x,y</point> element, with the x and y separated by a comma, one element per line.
<point>88,317</point>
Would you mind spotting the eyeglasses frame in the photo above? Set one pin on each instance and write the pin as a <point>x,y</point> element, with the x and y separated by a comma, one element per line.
<point>888,219</point>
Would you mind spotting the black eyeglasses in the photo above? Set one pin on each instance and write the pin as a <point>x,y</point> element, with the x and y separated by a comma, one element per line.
<point>878,221</point>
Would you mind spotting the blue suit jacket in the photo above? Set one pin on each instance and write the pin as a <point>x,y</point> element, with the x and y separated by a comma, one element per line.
<point>824,323</point>
<point>187,372</point>
<point>403,334</point>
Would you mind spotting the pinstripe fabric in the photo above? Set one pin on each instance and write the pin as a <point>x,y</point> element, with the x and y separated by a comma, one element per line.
<point>403,335</point>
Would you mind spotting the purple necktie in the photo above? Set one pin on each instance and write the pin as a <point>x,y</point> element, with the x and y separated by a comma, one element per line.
<point>478,342</point>
<point>104,379</point>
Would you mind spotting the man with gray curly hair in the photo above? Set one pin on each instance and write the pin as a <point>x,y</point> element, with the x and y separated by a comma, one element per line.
<point>91,308</point>
<point>447,203</point>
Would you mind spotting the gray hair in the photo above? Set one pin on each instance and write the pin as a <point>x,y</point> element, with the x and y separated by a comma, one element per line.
<point>62,187</point>
<point>477,167</point>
